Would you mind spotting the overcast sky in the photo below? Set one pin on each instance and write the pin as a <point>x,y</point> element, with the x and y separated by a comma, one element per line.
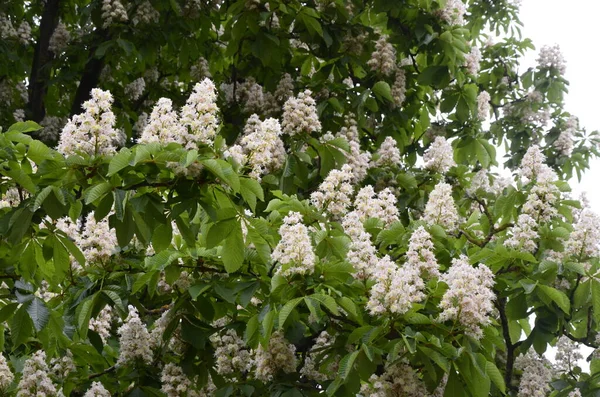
<point>573,26</point>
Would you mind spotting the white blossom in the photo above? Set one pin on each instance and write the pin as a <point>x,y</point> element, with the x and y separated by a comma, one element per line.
<point>472,60</point>
<point>35,381</point>
<point>175,383</point>
<point>63,366</point>
<point>102,323</point>
<point>483,105</point>
<point>280,355</point>
<point>564,142</point>
<point>584,241</point>
<point>383,59</point>
<point>294,251</point>
<point>113,11</point>
<point>145,14</point>
<point>335,192</point>
<point>134,339</point>
<point>52,127</point>
<point>60,38</point>
<point>92,132</point>
<point>535,380</point>
<point>199,115</point>
<point>481,181</point>
<point>97,241</point>
<point>440,208</point>
<point>567,355</point>
<point>453,12</point>
<point>524,234</point>
<point>533,167</point>
<point>398,90</point>
<point>399,379</point>
<point>358,161</point>
<point>439,156</point>
<point>231,353</point>
<point>420,254</point>
<point>163,125</point>
<point>6,375</point>
<point>382,205</point>
<point>19,115</point>
<point>200,70</point>
<point>285,88</point>
<point>7,30</point>
<point>362,254</point>
<point>469,298</point>
<point>97,390</point>
<point>551,57</point>
<point>24,33</point>
<point>300,115</point>
<point>316,357</point>
<point>135,89</point>
<point>388,154</point>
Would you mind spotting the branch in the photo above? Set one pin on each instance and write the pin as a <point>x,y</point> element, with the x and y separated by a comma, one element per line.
<point>106,371</point>
<point>510,347</point>
<point>40,72</point>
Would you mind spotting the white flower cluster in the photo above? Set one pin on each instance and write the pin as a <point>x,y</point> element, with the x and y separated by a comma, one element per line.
<point>11,198</point>
<point>439,156</point>
<point>24,33</point>
<point>362,254</point>
<point>134,339</point>
<point>59,40</point>
<point>35,381</point>
<point>294,250</point>
<point>420,254</point>
<point>551,57</point>
<point>472,60</point>
<point>112,11</point>
<point>231,353</point>
<point>97,390</point>
<point>388,154</point>
<point>97,241</point>
<point>584,241</point>
<point>19,114</point>
<point>483,105</point>
<point>453,12</point>
<point>135,89</point>
<point>163,125</point>
<point>175,383</point>
<point>285,88</point>
<point>199,115</point>
<point>63,366</point>
<point>7,30</point>
<point>146,14</point>
<point>469,298</point>
<point>575,393</point>
<point>533,167</point>
<point>200,70</point>
<point>358,160</point>
<point>261,147</point>
<point>92,132</point>
<point>398,380</point>
<point>6,375</point>
<point>523,234</point>
<point>335,192</point>
<point>564,142</point>
<point>398,90</point>
<point>481,181</point>
<point>300,115</point>
<point>316,356</point>
<point>440,208</point>
<point>544,193</point>
<point>383,59</point>
<point>382,205</point>
<point>536,377</point>
<point>103,323</point>
<point>395,289</point>
<point>52,127</point>
<point>567,355</point>
<point>254,98</point>
<point>280,355</point>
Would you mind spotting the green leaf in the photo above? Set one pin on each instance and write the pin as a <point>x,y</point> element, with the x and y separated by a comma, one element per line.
<point>162,237</point>
<point>328,302</point>
<point>24,126</point>
<point>251,333</point>
<point>21,327</point>
<point>38,152</point>
<point>119,161</point>
<point>233,249</point>
<point>286,310</point>
<point>383,91</point>
<point>495,376</point>
<point>39,200</point>
<point>97,191</point>
<point>220,231</point>
<point>223,170</point>
<point>596,299</point>
<point>557,297</point>
<point>39,313</point>
<point>346,364</point>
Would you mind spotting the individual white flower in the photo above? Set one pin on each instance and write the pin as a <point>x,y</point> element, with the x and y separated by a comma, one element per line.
<point>316,355</point>
<point>60,38</point>
<point>472,60</point>
<point>368,204</point>
<point>97,390</point>
<point>335,192</point>
<point>6,375</point>
<point>35,381</point>
<point>24,33</point>
<point>294,250</point>
<point>92,132</point>
<point>551,57</point>
<point>453,12</point>
<point>584,241</point>
<point>383,58</point>
<point>483,105</point>
<point>135,89</point>
<point>440,208</point>
<point>564,142</point>
<point>231,353</point>
<point>388,154</point>
<point>469,298</point>
<point>146,14</point>
<point>112,11</point>
<point>536,377</point>
<point>439,156</point>
<point>199,115</point>
<point>134,339</point>
<point>300,115</point>
<point>163,125</point>
<point>524,234</point>
<point>362,254</point>
<point>280,355</point>
<point>399,88</point>
<point>102,323</point>
<point>174,383</point>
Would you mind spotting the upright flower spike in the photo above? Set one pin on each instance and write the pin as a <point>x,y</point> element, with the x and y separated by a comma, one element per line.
<point>294,250</point>
<point>280,355</point>
<point>383,59</point>
<point>97,390</point>
<point>231,353</point>
<point>300,115</point>
<point>6,375</point>
<point>163,125</point>
<point>536,377</point>
<point>362,254</point>
<point>92,132</point>
<point>584,241</point>
<point>134,340</point>
<point>469,298</point>
<point>420,254</point>
<point>35,381</point>
<point>551,57</point>
<point>368,204</point>
<point>199,115</point>
<point>335,192</point>
<point>439,156</point>
<point>388,154</point>
<point>440,208</point>
<point>174,382</point>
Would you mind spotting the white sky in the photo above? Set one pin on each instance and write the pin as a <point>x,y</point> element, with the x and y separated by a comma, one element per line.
<point>573,26</point>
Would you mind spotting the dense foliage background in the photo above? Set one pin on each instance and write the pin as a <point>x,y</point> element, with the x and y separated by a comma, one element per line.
<point>291,199</point>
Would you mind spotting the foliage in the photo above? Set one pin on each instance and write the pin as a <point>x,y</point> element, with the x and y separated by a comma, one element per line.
<point>186,241</point>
